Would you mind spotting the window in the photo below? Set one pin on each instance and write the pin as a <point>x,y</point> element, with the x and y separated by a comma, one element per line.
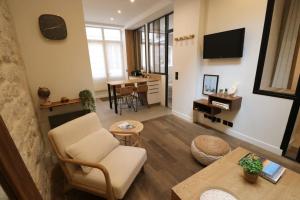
<point>143,47</point>
<point>159,33</point>
<point>97,59</point>
<point>106,55</point>
<point>140,48</point>
<point>112,34</point>
<point>94,33</point>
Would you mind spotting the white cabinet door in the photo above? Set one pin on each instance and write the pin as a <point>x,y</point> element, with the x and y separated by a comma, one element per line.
<point>153,95</point>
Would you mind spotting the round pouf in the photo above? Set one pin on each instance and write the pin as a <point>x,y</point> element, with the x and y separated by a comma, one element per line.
<point>207,149</point>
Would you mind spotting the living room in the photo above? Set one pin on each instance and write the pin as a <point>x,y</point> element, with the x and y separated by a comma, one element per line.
<point>180,128</point>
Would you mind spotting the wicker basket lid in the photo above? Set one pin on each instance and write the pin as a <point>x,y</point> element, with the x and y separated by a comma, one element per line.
<point>212,145</point>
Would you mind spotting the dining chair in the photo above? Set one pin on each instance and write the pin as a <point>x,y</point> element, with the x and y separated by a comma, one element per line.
<point>125,97</point>
<point>141,95</point>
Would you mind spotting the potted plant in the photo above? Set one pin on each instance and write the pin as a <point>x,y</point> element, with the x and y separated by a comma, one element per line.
<point>252,166</point>
<point>87,100</point>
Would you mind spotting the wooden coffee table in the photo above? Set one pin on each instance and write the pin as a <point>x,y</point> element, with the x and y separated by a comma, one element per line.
<point>227,175</point>
<point>129,136</point>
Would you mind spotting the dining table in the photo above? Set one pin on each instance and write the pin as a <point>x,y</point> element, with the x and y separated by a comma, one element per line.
<point>111,85</point>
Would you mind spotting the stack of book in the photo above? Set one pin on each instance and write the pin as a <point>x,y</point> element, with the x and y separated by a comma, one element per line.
<point>271,171</point>
<point>222,105</point>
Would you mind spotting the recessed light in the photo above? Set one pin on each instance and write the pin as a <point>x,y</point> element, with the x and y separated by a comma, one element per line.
<point>119,11</point>
<point>112,19</point>
<point>132,1</point>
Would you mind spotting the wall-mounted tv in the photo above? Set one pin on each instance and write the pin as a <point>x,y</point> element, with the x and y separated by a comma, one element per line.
<point>228,44</point>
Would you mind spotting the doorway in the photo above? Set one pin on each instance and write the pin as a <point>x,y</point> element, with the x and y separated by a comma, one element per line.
<point>160,52</point>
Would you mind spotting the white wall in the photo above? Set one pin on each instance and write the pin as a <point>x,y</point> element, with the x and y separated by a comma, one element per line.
<point>261,119</point>
<point>62,66</point>
<point>189,18</point>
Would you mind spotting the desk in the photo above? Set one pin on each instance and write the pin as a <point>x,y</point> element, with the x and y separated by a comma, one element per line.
<point>226,174</point>
<point>113,84</point>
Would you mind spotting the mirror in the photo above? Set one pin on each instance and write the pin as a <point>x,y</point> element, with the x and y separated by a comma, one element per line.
<point>279,60</point>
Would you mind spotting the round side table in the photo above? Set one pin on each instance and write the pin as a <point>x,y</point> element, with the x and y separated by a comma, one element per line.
<point>130,136</point>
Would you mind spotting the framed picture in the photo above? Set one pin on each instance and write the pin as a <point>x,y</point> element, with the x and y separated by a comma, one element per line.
<point>210,84</point>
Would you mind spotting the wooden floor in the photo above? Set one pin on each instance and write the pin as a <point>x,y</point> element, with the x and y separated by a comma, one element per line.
<point>167,140</point>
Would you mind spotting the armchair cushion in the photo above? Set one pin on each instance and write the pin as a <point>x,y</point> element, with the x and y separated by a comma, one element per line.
<point>93,148</point>
<point>123,164</point>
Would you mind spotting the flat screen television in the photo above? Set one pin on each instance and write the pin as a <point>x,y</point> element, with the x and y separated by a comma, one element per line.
<point>228,44</point>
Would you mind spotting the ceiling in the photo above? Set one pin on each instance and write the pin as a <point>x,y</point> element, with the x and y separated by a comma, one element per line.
<point>101,11</point>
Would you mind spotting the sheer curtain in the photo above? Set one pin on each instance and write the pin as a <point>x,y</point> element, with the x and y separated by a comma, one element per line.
<point>106,55</point>
<point>288,44</point>
<point>97,64</point>
<point>114,60</point>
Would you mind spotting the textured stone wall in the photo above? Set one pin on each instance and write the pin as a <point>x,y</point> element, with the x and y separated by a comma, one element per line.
<point>16,105</point>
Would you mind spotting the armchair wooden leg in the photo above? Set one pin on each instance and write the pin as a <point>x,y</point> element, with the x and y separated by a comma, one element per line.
<point>110,193</point>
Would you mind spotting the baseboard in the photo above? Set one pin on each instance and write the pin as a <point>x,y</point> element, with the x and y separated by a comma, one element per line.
<point>238,135</point>
<point>254,141</point>
<point>183,116</point>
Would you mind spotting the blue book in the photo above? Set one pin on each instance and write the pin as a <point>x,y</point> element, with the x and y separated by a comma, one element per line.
<point>270,168</point>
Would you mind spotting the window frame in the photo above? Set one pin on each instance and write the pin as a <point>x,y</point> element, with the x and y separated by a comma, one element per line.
<point>167,31</point>
<point>145,35</point>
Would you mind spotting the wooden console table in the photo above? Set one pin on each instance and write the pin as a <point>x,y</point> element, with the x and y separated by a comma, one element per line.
<point>226,174</point>
<point>206,106</point>
<point>58,103</point>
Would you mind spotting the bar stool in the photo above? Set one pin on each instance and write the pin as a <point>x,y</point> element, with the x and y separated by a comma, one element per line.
<point>118,87</point>
<point>129,85</point>
<point>125,97</point>
<point>141,95</point>
<point>138,84</point>
<point>142,83</point>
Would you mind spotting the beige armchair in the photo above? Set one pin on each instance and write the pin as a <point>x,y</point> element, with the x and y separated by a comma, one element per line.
<point>93,160</point>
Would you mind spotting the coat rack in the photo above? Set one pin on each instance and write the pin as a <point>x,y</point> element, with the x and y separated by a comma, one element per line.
<point>192,36</point>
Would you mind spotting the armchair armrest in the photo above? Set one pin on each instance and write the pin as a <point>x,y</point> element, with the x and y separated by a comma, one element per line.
<point>109,189</point>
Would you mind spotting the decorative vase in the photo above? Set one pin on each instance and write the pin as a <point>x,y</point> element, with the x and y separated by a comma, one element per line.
<point>64,100</point>
<point>251,178</point>
<point>44,94</point>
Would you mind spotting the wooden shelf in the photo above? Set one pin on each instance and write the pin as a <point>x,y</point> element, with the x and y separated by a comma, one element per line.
<point>233,102</point>
<point>203,105</point>
<point>206,106</point>
<point>58,103</point>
